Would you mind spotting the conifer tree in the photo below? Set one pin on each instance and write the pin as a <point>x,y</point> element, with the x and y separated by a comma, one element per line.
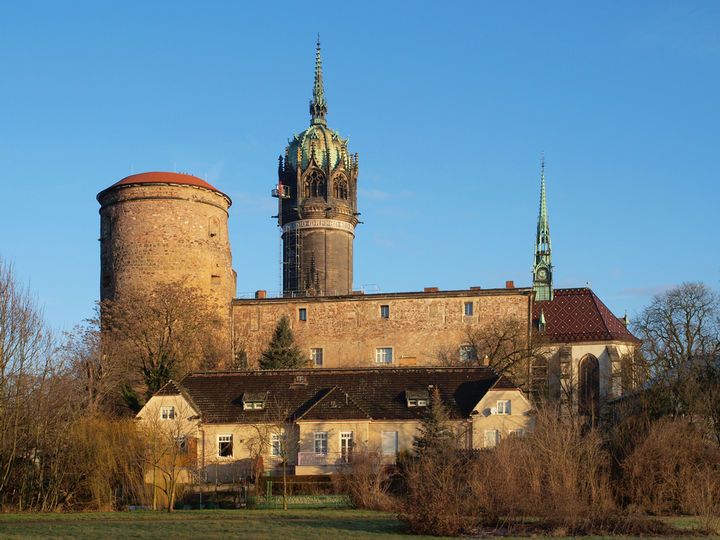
<point>436,434</point>
<point>282,353</point>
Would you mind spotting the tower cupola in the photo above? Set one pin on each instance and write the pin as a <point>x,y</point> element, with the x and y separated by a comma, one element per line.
<point>317,214</point>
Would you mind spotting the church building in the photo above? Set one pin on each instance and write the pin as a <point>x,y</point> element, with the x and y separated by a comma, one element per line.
<point>160,226</point>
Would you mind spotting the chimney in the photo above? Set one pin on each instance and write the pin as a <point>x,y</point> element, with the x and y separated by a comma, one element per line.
<point>509,284</point>
<point>475,288</point>
<point>431,289</point>
<point>260,294</point>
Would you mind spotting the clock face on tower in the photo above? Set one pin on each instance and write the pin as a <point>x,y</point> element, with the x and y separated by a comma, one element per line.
<point>542,274</point>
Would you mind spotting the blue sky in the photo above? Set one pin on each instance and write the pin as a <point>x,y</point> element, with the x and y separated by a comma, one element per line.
<point>449,105</point>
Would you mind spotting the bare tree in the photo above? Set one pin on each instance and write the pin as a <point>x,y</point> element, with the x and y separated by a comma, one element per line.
<point>278,434</point>
<point>507,346</point>
<point>678,326</point>
<point>170,457</point>
<point>164,333</point>
<point>25,351</point>
<point>98,374</point>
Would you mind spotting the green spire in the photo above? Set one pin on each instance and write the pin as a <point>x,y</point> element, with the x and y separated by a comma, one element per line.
<point>542,268</point>
<point>318,106</point>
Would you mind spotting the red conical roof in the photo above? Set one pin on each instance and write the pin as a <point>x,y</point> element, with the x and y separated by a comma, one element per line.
<point>165,178</point>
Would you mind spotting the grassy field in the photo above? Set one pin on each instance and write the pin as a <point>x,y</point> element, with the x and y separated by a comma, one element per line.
<point>326,524</point>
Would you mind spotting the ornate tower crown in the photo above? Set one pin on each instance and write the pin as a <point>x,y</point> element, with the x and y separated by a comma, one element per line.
<point>542,267</point>
<point>317,188</point>
<point>318,106</point>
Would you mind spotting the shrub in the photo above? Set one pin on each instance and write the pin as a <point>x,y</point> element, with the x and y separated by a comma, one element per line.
<point>674,470</point>
<point>367,484</point>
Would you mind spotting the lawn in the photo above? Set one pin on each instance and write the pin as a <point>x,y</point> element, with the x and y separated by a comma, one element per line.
<point>251,524</point>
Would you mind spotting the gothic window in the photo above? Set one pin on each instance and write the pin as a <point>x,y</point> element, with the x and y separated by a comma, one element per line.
<point>589,386</point>
<point>340,188</point>
<point>314,185</point>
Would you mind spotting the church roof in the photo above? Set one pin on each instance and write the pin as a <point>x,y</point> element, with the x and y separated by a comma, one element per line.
<point>164,178</point>
<point>579,315</point>
<point>327,394</point>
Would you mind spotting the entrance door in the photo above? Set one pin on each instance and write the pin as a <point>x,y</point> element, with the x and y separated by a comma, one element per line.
<point>346,444</point>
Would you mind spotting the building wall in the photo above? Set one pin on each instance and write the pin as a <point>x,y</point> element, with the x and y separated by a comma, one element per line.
<point>484,415</point>
<point>326,262</point>
<point>610,375</point>
<point>349,329</point>
<point>162,233</point>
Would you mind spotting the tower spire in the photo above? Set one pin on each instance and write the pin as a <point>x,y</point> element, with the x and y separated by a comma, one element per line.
<point>318,106</point>
<point>542,267</point>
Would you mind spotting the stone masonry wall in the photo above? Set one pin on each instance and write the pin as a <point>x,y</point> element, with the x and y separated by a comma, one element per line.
<point>349,329</point>
<point>161,233</point>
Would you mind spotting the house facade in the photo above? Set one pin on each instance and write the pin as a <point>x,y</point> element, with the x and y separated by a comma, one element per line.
<point>320,420</point>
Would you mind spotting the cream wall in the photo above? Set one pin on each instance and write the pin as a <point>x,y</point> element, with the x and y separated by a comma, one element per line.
<point>483,419</point>
<point>185,422</point>
<point>610,386</point>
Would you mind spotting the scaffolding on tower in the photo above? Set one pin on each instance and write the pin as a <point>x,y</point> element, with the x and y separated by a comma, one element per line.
<point>290,262</point>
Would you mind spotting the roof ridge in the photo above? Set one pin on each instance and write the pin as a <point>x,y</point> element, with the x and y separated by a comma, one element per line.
<point>446,369</point>
<point>326,394</point>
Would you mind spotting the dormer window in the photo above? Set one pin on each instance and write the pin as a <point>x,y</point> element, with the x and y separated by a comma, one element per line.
<point>417,398</point>
<point>254,400</point>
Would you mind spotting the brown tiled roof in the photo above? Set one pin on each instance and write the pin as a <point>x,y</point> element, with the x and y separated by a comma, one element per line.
<point>503,383</point>
<point>164,178</point>
<point>335,405</point>
<point>579,315</point>
<point>333,394</point>
<point>169,389</point>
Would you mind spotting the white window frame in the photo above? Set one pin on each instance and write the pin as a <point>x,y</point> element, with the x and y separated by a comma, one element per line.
<point>253,405</point>
<point>320,442</point>
<point>422,402</point>
<point>316,355</point>
<point>494,438</point>
<point>504,406</point>
<point>516,432</point>
<point>167,413</point>
<point>384,355</point>
<point>397,443</point>
<point>225,438</point>
<point>276,440</point>
<point>468,307</point>
<point>346,451</point>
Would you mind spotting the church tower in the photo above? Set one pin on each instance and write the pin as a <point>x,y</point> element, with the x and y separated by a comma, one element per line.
<point>542,269</point>
<point>317,208</point>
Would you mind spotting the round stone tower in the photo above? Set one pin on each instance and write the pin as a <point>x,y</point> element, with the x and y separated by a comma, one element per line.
<point>317,193</point>
<point>163,227</point>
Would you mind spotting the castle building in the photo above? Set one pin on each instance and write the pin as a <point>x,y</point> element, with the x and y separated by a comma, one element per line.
<point>167,226</point>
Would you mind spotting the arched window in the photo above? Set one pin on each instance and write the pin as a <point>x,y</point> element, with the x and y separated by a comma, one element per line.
<point>340,187</point>
<point>314,185</point>
<point>589,386</point>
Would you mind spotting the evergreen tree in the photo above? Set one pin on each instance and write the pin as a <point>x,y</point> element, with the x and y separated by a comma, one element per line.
<point>436,435</point>
<point>282,353</point>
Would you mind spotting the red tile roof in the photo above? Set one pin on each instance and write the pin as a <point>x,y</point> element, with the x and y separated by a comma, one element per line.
<point>579,315</point>
<point>165,178</point>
